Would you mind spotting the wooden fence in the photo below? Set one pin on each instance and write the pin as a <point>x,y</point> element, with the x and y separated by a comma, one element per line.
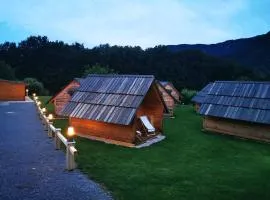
<point>55,133</point>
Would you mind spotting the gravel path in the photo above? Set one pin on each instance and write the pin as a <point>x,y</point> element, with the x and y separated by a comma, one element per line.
<point>30,167</point>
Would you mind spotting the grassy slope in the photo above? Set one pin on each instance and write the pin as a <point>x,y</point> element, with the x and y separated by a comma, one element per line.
<point>188,164</point>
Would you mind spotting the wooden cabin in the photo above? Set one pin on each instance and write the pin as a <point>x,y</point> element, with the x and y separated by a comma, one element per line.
<point>170,95</point>
<point>12,91</point>
<point>110,108</point>
<point>169,87</point>
<point>198,99</point>
<point>238,108</point>
<point>61,98</point>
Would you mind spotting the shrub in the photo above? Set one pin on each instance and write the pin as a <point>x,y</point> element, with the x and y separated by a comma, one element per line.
<point>35,86</point>
<point>187,95</point>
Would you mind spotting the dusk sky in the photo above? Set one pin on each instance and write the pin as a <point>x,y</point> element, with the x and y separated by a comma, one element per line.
<point>144,23</point>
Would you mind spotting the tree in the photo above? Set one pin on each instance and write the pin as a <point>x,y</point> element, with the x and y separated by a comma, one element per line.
<point>35,86</point>
<point>97,69</point>
<point>188,95</point>
<point>6,72</point>
<point>56,63</point>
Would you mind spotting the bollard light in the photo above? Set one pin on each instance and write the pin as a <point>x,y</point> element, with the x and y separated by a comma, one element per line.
<point>70,133</point>
<point>38,103</point>
<point>43,110</point>
<point>35,98</point>
<point>26,92</point>
<point>50,117</point>
<point>34,94</point>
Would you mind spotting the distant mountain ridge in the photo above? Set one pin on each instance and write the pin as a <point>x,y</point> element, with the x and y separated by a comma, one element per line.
<point>250,52</point>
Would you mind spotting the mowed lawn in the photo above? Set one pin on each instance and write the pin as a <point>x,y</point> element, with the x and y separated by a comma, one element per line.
<point>188,164</point>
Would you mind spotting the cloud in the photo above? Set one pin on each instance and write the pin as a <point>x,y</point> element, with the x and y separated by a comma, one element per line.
<point>137,22</point>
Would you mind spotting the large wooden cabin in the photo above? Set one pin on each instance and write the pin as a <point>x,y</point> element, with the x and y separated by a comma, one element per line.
<point>109,107</point>
<point>62,97</point>
<point>238,108</point>
<point>12,91</point>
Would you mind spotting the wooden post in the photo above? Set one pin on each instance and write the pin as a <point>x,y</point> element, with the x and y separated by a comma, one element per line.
<point>56,139</point>
<point>204,125</point>
<point>50,133</point>
<point>45,122</point>
<point>70,156</point>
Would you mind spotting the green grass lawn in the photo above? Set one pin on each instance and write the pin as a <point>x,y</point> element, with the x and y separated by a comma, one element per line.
<point>188,164</point>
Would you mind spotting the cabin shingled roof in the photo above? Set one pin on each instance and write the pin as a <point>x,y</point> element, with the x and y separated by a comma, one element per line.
<point>200,96</point>
<point>239,100</point>
<point>165,83</point>
<point>108,98</point>
<point>168,92</point>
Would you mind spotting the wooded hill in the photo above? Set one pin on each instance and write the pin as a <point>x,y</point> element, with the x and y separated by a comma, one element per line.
<point>252,53</point>
<point>55,63</point>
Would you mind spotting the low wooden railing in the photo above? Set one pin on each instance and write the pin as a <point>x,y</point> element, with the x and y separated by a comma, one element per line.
<point>55,133</point>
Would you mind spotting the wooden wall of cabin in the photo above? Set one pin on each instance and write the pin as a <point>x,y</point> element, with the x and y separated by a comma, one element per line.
<point>169,101</point>
<point>153,108</point>
<point>63,97</point>
<point>237,128</point>
<point>12,91</point>
<point>104,130</point>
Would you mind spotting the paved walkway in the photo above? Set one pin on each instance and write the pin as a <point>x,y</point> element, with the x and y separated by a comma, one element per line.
<point>30,167</point>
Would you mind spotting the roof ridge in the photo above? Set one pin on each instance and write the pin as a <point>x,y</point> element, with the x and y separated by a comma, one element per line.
<point>102,104</point>
<point>11,81</point>
<point>244,82</point>
<point>77,90</point>
<point>122,75</point>
<point>219,95</point>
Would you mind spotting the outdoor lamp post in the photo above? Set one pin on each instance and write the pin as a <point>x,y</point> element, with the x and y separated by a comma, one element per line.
<point>70,161</point>
<point>49,119</point>
<point>70,133</point>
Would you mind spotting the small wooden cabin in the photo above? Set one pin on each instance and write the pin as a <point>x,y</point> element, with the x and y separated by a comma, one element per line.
<point>61,98</point>
<point>169,87</point>
<point>170,95</point>
<point>108,108</point>
<point>238,108</point>
<point>12,91</point>
<point>198,99</point>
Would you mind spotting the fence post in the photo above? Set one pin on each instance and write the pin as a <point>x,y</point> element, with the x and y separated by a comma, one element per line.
<point>50,134</point>
<point>56,139</point>
<point>70,156</point>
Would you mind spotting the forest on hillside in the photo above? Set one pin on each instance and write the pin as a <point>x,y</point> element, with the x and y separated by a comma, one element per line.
<point>55,63</point>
